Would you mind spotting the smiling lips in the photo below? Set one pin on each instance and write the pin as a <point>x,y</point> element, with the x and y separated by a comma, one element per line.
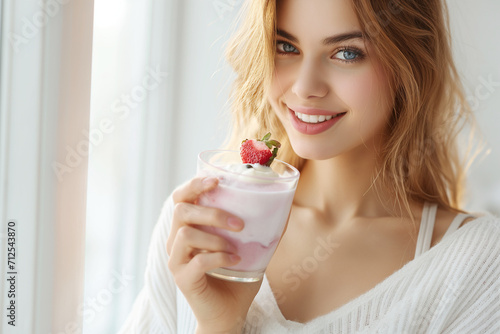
<point>313,118</point>
<point>313,121</point>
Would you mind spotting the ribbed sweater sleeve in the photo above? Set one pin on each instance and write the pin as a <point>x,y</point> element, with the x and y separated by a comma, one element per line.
<point>155,309</point>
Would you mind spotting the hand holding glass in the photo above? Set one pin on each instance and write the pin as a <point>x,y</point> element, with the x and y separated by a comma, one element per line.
<point>262,201</point>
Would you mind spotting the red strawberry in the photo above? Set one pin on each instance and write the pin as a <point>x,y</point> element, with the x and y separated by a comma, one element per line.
<point>259,151</point>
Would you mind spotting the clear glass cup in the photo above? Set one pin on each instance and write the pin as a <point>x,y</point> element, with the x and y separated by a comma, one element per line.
<point>263,202</point>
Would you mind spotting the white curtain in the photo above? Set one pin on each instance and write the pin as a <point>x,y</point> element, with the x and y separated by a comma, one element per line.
<point>46,50</point>
<point>160,82</point>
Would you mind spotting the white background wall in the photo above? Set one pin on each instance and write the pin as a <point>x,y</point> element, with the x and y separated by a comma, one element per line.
<point>476,32</point>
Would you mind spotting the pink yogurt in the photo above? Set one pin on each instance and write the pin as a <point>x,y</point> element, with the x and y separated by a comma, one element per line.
<point>263,206</point>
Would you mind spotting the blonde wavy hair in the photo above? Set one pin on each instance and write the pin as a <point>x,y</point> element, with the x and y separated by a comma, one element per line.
<point>420,160</point>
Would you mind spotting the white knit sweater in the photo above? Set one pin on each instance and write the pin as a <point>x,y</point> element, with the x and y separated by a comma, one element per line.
<point>452,287</point>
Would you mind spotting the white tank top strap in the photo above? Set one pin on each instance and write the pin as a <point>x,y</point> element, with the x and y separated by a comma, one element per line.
<point>457,221</point>
<point>426,228</point>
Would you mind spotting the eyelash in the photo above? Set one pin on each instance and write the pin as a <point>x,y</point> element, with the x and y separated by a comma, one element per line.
<point>360,54</point>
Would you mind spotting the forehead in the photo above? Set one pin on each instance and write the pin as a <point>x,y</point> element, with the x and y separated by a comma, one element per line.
<point>316,17</point>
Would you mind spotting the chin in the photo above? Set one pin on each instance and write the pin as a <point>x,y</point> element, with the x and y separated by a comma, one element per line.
<point>311,151</point>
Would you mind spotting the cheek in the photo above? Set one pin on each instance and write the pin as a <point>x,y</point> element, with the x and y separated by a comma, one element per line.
<point>368,96</point>
<point>362,90</point>
<point>277,93</point>
<point>280,82</point>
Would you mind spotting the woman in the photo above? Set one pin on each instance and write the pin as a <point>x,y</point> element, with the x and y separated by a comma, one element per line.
<point>380,187</point>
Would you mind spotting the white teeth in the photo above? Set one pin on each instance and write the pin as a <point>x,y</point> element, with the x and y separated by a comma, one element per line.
<point>313,118</point>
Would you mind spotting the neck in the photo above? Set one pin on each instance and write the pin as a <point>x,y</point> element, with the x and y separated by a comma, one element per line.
<point>344,187</point>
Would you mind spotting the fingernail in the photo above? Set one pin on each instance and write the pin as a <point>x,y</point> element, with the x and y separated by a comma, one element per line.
<point>209,182</point>
<point>235,223</point>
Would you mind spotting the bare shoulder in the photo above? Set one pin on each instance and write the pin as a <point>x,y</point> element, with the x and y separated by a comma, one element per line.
<point>443,220</point>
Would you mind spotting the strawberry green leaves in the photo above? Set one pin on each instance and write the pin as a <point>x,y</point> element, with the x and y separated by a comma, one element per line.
<point>261,151</point>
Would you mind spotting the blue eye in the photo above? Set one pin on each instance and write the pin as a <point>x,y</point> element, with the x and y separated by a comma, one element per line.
<point>349,55</point>
<point>284,48</point>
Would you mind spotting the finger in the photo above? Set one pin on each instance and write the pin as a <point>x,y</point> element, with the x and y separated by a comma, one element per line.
<point>190,239</point>
<point>194,271</point>
<point>186,213</point>
<point>191,190</point>
<point>191,214</point>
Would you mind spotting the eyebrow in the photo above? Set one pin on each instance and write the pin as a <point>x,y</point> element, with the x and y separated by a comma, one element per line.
<point>327,41</point>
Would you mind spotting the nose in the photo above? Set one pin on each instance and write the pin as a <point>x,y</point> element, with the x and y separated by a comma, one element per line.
<point>311,80</point>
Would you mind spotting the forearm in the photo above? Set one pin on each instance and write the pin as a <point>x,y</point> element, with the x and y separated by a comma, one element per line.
<point>234,328</point>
